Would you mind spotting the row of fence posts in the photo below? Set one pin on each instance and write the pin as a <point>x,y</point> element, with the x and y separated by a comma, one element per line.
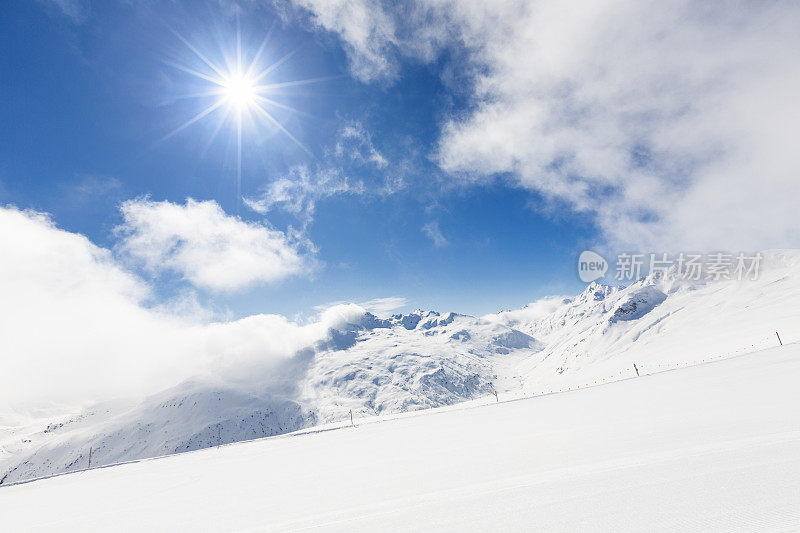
<point>635,368</point>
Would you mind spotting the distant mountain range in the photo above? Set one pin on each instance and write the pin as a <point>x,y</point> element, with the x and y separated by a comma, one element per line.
<point>379,365</point>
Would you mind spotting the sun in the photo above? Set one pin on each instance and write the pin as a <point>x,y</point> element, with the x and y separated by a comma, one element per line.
<point>239,91</point>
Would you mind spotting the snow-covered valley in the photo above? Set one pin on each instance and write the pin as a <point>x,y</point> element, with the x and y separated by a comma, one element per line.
<point>376,367</point>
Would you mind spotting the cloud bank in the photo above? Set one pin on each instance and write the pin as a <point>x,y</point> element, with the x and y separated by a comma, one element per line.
<point>77,326</point>
<point>671,122</point>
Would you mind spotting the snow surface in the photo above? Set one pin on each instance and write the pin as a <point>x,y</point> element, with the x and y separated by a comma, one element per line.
<point>376,366</point>
<point>713,447</point>
<point>371,367</point>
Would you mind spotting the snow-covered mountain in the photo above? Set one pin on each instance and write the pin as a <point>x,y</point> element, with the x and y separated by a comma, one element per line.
<point>374,366</point>
<point>369,366</point>
<point>713,447</point>
<point>660,321</point>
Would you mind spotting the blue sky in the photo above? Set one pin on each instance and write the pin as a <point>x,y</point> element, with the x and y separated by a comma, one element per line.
<point>447,154</point>
<point>458,155</point>
<point>89,101</point>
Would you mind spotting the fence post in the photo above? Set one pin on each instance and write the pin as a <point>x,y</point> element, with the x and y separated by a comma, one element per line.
<point>351,419</point>
<point>90,458</point>
<point>779,338</point>
<point>219,435</point>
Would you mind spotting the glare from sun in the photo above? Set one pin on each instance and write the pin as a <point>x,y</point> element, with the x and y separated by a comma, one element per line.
<point>239,91</point>
<point>240,87</point>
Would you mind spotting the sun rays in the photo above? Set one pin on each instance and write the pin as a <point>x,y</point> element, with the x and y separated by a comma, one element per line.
<point>238,91</point>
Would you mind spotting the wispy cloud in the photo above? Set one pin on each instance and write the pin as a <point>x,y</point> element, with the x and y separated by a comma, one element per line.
<point>303,186</point>
<point>90,188</point>
<point>383,306</point>
<point>378,306</point>
<point>355,143</point>
<point>75,10</point>
<point>431,229</point>
<point>300,189</point>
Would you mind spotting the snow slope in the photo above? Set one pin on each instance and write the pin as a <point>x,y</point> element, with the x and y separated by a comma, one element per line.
<point>375,366</point>
<point>371,366</point>
<point>714,447</point>
<point>658,322</point>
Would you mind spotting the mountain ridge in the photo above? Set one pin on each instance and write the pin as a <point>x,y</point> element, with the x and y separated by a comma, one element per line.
<point>369,365</point>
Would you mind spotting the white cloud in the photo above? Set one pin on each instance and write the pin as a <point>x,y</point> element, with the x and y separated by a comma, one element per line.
<point>671,122</point>
<point>377,306</point>
<point>71,316</point>
<point>431,229</point>
<point>367,31</point>
<point>206,246</point>
<point>530,313</point>
<point>77,327</point>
